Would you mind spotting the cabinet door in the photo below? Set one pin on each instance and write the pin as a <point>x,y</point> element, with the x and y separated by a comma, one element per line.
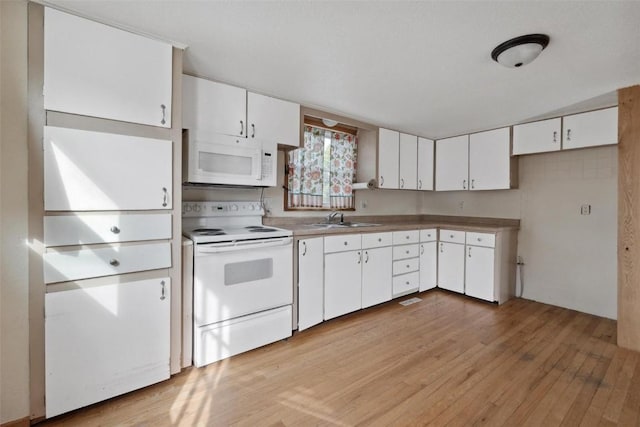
<point>452,163</point>
<point>428,265</point>
<point>376,276</point>
<point>212,107</point>
<point>479,273</point>
<point>490,160</point>
<point>104,341</point>
<point>100,71</point>
<point>95,171</point>
<point>310,282</point>
<point>408,162</point>
<point>388,159</point>
<point>536,137</point>
<point>272,119</point>
<point>342,283</point>
<point>590,129</point>
<point>451,266</point>
<point>425,164</point>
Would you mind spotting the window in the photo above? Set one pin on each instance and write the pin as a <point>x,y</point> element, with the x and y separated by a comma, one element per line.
<point>320,174</point>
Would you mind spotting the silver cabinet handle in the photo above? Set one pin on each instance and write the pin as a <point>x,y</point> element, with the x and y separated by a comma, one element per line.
<point>304,251</point>
<point>366,259</point>
<point>241,128</point>
<point>346,243</point>
<point>464,184</point>
<point>401,182</point>
<point>359,257</point>
<point>451,236</point>
<point>114,230</point>
<point>381,180</point>
<point>473,183</point>
<point>441,247</point>
<point>162,297</point>
<point>114,262</point>
<point>407,252</point>
<point>253,130</point>
<point>165,196</point>
<point>469,251</point>
<point>164,113</point>
<point>421,249</point>
<point>568,134</point>
<point>408,266</point>
<point>379,239</point>
<point>419,184</point>
<point>479,239</point>
<point>407,237</point>
<point>406,283</point>
<point>555,136</point>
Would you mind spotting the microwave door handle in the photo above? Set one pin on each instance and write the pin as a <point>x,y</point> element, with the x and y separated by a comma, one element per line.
<point>258,175</point>
<point>245,245</point>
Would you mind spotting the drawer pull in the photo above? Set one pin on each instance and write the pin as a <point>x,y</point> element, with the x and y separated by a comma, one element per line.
<point>366,259</point>
<point>421,249</point>
<point>469,251</point>
<point>408,266</point>
<point>164,197</point>
<point>304,246</point>
<point>406,283</point>
<point>164,113</point>
<point>359,257</point>
<point>115,230</point>
<point>479,239</point>
<point>114,262</point>
<point>406,237</point>
<point>379,239</point>
<point>346,243</point>
<point>451,236</point>
<point>407,252</point>
<point>162,297</point>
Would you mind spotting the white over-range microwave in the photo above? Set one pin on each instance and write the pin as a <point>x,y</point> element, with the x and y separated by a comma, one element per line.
<point>228,160</point>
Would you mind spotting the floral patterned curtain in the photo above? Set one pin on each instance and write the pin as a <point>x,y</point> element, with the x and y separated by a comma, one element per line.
<point>306,169</point>
<point>343,169</point>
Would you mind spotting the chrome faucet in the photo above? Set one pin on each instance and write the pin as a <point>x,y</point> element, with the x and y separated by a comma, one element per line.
<point>332,215</point>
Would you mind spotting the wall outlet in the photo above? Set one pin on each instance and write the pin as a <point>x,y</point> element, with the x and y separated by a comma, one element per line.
<point>585,210</point>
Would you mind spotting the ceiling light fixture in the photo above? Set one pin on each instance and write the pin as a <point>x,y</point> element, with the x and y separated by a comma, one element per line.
<point>329,123</point>
<point>520,51</point>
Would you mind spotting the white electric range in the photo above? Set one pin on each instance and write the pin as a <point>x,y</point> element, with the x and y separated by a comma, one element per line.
<point>242,279</point>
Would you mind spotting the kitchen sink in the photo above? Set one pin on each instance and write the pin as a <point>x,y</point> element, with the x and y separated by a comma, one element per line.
<point>343,225</point>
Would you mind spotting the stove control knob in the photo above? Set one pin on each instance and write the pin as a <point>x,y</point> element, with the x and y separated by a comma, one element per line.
<point>234,207</point>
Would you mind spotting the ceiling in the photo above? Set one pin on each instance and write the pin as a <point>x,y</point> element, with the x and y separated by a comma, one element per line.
<point>420,67</point>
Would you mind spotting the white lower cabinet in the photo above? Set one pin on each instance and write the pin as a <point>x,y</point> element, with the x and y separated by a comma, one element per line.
<point>376,276</point>
<point>310,282</point>
<point>428,259</point>
<point>342,275</point>
<point>479,280</point>
<point>451,266</point>
<point>104,341</point>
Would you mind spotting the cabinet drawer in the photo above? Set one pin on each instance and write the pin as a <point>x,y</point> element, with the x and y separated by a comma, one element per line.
<point>452,236</point>
<point>406,266</point>
<point>428,235</point>
<point>403,237</point>
<point>487,240</point>
<point>342,243</point>
<point>88,229</point>
<point>62,266</point>
<point>376,240</point>
<point>405,251</point>
<point>405,284</point>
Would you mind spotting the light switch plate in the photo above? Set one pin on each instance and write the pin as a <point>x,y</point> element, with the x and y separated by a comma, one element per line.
<point>585,210</point>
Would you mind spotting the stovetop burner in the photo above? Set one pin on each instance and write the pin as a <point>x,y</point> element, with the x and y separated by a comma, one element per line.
<point>209,231</point>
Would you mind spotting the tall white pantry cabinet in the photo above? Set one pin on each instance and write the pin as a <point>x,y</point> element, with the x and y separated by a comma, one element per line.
<point>108,224</point>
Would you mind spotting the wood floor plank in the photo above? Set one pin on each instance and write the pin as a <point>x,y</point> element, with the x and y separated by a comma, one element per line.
<point>446,360</point>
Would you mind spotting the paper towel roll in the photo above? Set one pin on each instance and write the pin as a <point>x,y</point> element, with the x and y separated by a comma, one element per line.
<point>364,185</point>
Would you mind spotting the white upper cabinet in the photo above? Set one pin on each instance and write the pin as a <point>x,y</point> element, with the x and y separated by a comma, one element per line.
<point>452,163</point>
<point>95,70</point>
<point>408,162</point>
<point>272,119</point>
<point>537,137</point>
<point>590,129</point>
<point>95,171</point>
<point>213,107</point>
<point>490,160</point>
<point>388,158</point>
<point>425,164</point>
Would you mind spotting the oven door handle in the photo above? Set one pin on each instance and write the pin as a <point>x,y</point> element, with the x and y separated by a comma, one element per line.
<point>243,245</point>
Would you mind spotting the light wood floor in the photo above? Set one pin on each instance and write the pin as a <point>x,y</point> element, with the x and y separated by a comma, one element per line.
<point>447,360</point>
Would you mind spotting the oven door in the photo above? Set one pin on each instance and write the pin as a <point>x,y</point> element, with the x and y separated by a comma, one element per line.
<point>242,278</point>
<point>225,160</point>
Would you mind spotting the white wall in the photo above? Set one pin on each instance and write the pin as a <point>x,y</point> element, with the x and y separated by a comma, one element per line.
<point>570,259</point>
<point>14,285</point>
